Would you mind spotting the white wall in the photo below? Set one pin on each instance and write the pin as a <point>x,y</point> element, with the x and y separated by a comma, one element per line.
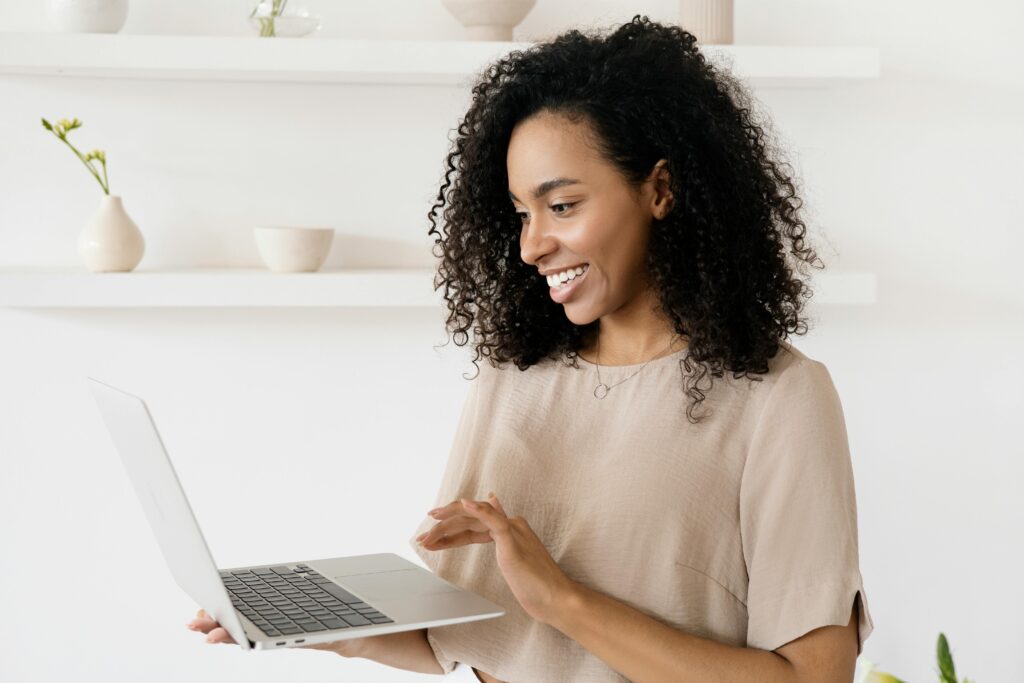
<point>288,426</point>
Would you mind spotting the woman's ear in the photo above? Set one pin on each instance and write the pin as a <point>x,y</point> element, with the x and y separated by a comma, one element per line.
<point>663,200</point>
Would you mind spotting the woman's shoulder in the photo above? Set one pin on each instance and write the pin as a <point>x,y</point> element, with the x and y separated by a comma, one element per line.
<point>790,371</point>
<point>795,376</point>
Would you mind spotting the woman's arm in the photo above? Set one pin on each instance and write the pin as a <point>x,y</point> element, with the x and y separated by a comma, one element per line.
<point>648,651</point>
<point>404,650</point>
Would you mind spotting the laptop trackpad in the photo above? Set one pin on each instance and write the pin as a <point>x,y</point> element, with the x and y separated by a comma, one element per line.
<point>403,583</point>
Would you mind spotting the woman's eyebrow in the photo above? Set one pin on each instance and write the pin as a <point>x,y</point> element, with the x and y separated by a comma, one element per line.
<point>547,186</point>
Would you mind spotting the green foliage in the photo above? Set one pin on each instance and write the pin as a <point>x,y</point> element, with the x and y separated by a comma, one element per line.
<point>946,670</point>
<point>61,130</point>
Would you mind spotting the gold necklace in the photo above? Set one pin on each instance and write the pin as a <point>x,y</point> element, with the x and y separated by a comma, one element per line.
<point>602,389</point>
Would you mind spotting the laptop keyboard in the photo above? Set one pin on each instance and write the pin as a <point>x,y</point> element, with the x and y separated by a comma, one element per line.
<point>284,601</point>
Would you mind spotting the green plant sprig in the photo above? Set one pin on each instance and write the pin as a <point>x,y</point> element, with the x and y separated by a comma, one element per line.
<point>267,23</point>
<point>946,671</point>
<point>61,130</point>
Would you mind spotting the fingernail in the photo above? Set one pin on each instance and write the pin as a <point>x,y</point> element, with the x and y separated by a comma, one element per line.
<point>470,504</point>
<point>421,536</point>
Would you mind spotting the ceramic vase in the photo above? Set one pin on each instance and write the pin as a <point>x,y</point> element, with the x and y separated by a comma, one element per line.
<point>88,16</point>
<point>111,242</point>
<point>489,19</point>
<point>709,20</point>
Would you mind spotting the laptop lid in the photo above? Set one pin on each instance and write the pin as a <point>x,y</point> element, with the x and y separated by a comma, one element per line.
<point>157,486</point>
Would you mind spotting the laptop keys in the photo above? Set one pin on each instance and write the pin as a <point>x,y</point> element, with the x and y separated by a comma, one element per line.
<point>282,601</point>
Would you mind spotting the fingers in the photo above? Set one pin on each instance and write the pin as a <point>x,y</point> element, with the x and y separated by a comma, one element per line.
<point>458,539</point>
<point>219,635</point>
<point>203,624</point>
<point>450,527</point>
<point>455,507</point>
<point>215,633</point>
<point>496,522</point>
<point>446,511</point>
<point>497,504</point>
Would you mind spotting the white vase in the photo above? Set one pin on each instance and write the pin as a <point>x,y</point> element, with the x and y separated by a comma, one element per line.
<point>489,19</point>
<point>111,242</point>
<point>709,20</point>
<point>88,16</point>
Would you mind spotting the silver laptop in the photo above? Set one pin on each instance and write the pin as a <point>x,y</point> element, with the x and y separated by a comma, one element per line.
<point>287,603</point>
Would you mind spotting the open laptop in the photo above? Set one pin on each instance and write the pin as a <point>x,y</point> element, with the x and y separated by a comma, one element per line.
<point>286,603</point>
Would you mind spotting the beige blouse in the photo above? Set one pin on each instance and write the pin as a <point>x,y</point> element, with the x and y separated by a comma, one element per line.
<point>741,529</point>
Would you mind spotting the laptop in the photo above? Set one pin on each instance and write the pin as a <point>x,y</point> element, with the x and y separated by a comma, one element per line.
<point>286,603</point>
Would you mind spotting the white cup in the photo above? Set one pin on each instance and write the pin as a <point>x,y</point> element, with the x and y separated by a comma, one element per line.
<point>287,249</point>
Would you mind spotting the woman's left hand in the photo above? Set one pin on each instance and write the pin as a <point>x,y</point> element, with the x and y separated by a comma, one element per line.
<point>535,579</point>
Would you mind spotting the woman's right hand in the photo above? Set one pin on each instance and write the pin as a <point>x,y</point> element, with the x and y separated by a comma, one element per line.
<point>215,633</point>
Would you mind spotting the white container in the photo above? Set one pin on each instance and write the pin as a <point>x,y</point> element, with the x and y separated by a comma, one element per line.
<point>111,242</point>
<point>709,20</point>
<point>88,16</point>
<point>286,249</point>
<point>489,19</point>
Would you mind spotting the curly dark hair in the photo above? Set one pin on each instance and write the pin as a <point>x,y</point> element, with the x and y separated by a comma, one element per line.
<point>717,260</point>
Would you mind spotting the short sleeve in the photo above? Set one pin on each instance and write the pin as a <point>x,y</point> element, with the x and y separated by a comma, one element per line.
<point>798,514</point>
<point>446,662</point>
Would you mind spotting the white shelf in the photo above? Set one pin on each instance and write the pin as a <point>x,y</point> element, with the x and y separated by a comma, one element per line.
<point>330,60</point>
<point>259,288</point>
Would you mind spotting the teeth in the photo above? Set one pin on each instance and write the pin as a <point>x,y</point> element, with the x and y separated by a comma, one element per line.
<point>565,276</point>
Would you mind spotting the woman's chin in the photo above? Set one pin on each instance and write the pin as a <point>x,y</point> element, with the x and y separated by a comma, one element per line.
<point>578,314</point>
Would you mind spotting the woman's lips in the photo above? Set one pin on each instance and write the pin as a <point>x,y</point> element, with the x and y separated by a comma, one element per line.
<point>563,294</point>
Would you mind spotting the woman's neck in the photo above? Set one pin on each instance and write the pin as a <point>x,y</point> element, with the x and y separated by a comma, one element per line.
<point>625,351</point>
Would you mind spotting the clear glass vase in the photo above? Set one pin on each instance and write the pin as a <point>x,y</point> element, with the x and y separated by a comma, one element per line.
<point>271,19</point>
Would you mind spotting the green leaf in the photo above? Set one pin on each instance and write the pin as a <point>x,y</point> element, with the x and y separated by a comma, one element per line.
<point>46,125</point>
<point>946,668</point>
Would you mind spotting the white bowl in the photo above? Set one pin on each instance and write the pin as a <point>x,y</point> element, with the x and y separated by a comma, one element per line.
<point>287,249</point>
<point>489,19</point>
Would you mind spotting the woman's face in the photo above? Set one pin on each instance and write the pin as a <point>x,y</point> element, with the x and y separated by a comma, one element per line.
<point>585,215</point>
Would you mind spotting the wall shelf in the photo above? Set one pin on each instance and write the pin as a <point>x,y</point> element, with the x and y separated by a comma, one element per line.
<point>259,288</point>
<point>331,60</point>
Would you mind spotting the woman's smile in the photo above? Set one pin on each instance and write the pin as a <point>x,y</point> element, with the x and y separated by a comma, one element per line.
<point>564,291</point>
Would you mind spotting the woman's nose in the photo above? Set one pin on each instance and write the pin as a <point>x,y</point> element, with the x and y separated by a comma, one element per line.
<point>534,242</point>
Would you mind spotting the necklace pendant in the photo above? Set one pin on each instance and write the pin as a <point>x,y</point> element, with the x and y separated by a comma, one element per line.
<point>601,390</point>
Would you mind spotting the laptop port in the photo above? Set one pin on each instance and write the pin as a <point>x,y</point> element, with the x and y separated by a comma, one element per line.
<point>281,643</point>
<point>300,640</point>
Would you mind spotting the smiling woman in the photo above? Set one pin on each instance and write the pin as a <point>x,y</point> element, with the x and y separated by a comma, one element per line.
<point>632,156</point>
<point>614,219</point>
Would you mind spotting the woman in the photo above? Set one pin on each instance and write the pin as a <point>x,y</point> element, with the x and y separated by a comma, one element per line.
<point>618,236</point>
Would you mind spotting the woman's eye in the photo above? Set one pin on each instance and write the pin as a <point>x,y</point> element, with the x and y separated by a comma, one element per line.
<point>522,214</point>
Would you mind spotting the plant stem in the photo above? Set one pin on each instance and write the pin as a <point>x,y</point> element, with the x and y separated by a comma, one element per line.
<point>87,165</point>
